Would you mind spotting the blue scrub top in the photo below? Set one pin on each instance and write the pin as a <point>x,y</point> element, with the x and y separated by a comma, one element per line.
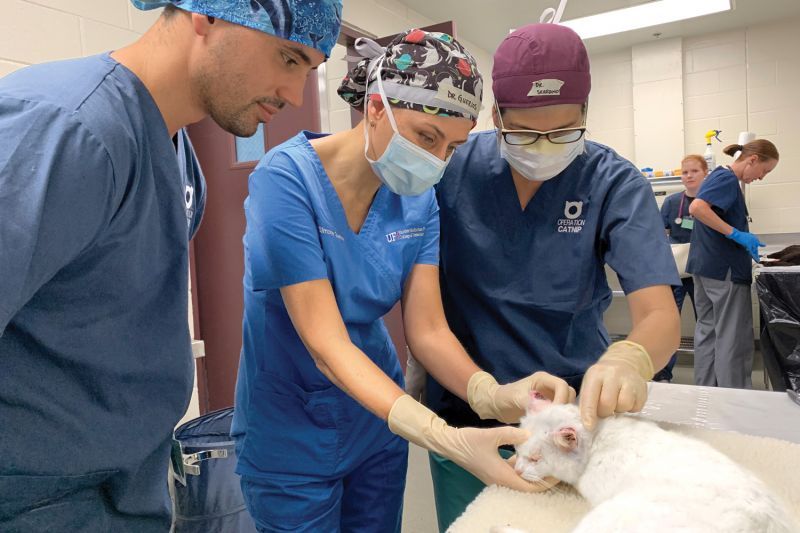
<point>525,290</point>
<point>289,418</point>
<point>672,210</point>
<point>712,254</point>
<point>96,213</point>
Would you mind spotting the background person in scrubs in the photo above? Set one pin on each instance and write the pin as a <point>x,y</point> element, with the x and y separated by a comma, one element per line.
<point>100,192</point>
<point>720,260</point>
<point>679,223</point>
<point>530,214</point>
<point>339,228</point>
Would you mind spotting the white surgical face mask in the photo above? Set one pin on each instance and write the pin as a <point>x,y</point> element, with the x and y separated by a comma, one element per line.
<point>541,160</point>
<point>404,167</point>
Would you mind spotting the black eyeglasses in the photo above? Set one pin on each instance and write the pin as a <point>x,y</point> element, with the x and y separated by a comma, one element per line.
<point>526,137</point>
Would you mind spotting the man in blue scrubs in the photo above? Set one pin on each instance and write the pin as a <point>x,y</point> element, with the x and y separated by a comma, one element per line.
<point>530,215</point>
<point>100,193</point>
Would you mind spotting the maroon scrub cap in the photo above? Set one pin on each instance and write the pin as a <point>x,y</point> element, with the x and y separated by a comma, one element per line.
<point>540,65</point>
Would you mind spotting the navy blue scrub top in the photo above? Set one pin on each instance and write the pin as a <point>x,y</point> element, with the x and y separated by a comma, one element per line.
<point>289,418</point>
<point>672,210</point>
<point>525,290</point>
<point>96,213</point>
<point>712,254</point>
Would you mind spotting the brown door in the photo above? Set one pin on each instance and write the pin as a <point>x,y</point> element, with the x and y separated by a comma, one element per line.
<point>217,252</point>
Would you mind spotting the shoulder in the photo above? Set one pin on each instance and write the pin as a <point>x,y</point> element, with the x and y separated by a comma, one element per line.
<point>474,162</point>
<point>81,92</point>
<point>608,165</point>
<point>672,199</point>
<point>62,84</point>
<point>474,155</point>
<point>602,169</point>
<point>290,165</point>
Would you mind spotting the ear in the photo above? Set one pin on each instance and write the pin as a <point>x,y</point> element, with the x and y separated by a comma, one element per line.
<point>537,403</point>
<point>201,24</point>
<point>566,439</point>
<point>375,109</point>
<point>495,117</point>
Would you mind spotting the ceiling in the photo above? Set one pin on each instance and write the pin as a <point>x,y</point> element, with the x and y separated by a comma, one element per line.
<point>486,22</point>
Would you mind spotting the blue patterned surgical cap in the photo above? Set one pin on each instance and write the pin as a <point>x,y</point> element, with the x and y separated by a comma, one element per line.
<point>314,23</point>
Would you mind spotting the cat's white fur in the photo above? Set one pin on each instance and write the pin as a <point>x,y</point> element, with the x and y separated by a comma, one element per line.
<point>641,478</point>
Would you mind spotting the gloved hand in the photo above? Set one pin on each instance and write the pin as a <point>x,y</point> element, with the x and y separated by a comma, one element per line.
<point>616,383</point>
<point>473,449</point>
<point>748,241</point>
<point>506,403</point>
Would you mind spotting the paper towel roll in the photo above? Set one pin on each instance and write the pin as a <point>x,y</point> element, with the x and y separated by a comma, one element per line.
<point>744,138</point>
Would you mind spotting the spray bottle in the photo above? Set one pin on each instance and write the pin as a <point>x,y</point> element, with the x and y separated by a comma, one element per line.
<point>709,153</point>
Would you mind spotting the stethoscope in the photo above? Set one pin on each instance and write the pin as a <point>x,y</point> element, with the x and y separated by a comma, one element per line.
<point>679,220</point>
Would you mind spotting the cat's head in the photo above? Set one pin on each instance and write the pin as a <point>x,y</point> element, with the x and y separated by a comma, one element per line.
<point>558,445</point>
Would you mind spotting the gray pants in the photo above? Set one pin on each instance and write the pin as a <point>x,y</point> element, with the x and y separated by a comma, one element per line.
<point>723,337</point>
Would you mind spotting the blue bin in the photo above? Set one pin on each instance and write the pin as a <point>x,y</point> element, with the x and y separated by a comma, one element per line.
<point>210,499</point>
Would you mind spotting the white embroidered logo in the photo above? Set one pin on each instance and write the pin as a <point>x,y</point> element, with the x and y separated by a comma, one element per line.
<point>402,234</point>
<point>330,233</point>
<point>549,87</point>
<point>188,198</point>
<point>573,210</point>
<point>571,223</point>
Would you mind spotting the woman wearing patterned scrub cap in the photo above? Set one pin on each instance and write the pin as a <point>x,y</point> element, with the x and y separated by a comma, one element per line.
<point>531,213</point>
<point>340,228</point>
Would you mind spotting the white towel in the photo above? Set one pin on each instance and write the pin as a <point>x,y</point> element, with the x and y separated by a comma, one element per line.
<point>776,462</point>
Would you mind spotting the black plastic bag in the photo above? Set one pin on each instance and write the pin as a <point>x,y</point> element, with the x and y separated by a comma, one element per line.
<point>779,299</point>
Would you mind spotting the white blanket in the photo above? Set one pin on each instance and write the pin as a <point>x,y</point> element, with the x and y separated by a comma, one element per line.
<point>776,462</point>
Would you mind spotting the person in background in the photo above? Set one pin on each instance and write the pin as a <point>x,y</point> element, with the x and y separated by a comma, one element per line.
<point>339,229</point>
<point>100,192</point>
<point>679,223</point>
<point>531,213</point>
<point>720,262</point>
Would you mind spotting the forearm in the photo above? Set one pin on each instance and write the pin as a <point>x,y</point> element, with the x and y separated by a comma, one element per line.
<point>352,371</point>
<point>443,357</point>
<point>707,216</point>
<point>658,331</point>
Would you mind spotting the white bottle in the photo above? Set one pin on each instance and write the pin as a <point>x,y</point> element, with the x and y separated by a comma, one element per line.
<point>709,157</point>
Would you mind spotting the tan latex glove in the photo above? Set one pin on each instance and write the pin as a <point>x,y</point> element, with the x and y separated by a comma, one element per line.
<point>473,449</point>
<point>507,403</point>
<point>616,383</point>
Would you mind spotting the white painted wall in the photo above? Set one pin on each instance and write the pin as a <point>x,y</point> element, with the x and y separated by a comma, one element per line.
<point>743,80</point>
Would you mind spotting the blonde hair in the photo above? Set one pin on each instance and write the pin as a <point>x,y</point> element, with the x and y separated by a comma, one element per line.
<point>762,148</point>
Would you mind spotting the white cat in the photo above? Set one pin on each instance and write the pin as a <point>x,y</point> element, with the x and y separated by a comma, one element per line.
<point>640,478</point>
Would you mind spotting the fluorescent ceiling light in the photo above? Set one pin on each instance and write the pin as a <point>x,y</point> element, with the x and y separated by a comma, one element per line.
<point>644,16</point>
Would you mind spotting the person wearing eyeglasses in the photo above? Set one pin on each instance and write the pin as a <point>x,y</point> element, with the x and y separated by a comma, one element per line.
<point>530,214</point>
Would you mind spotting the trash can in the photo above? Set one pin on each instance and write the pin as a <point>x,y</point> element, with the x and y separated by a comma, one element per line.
<point>779,300</point>
<point>207,495</point>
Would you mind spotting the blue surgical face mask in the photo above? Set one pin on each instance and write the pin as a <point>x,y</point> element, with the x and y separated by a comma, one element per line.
<point>405,168</point>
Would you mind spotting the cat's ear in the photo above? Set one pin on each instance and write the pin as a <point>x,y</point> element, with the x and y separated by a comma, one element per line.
<point>537,402</point>
<point>566,438</point>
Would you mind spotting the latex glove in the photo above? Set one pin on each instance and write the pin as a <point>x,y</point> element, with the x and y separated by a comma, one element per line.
<point>473,449</point>
<point>748,241</point>
<point>507,403</point>
<point>617,383</point>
